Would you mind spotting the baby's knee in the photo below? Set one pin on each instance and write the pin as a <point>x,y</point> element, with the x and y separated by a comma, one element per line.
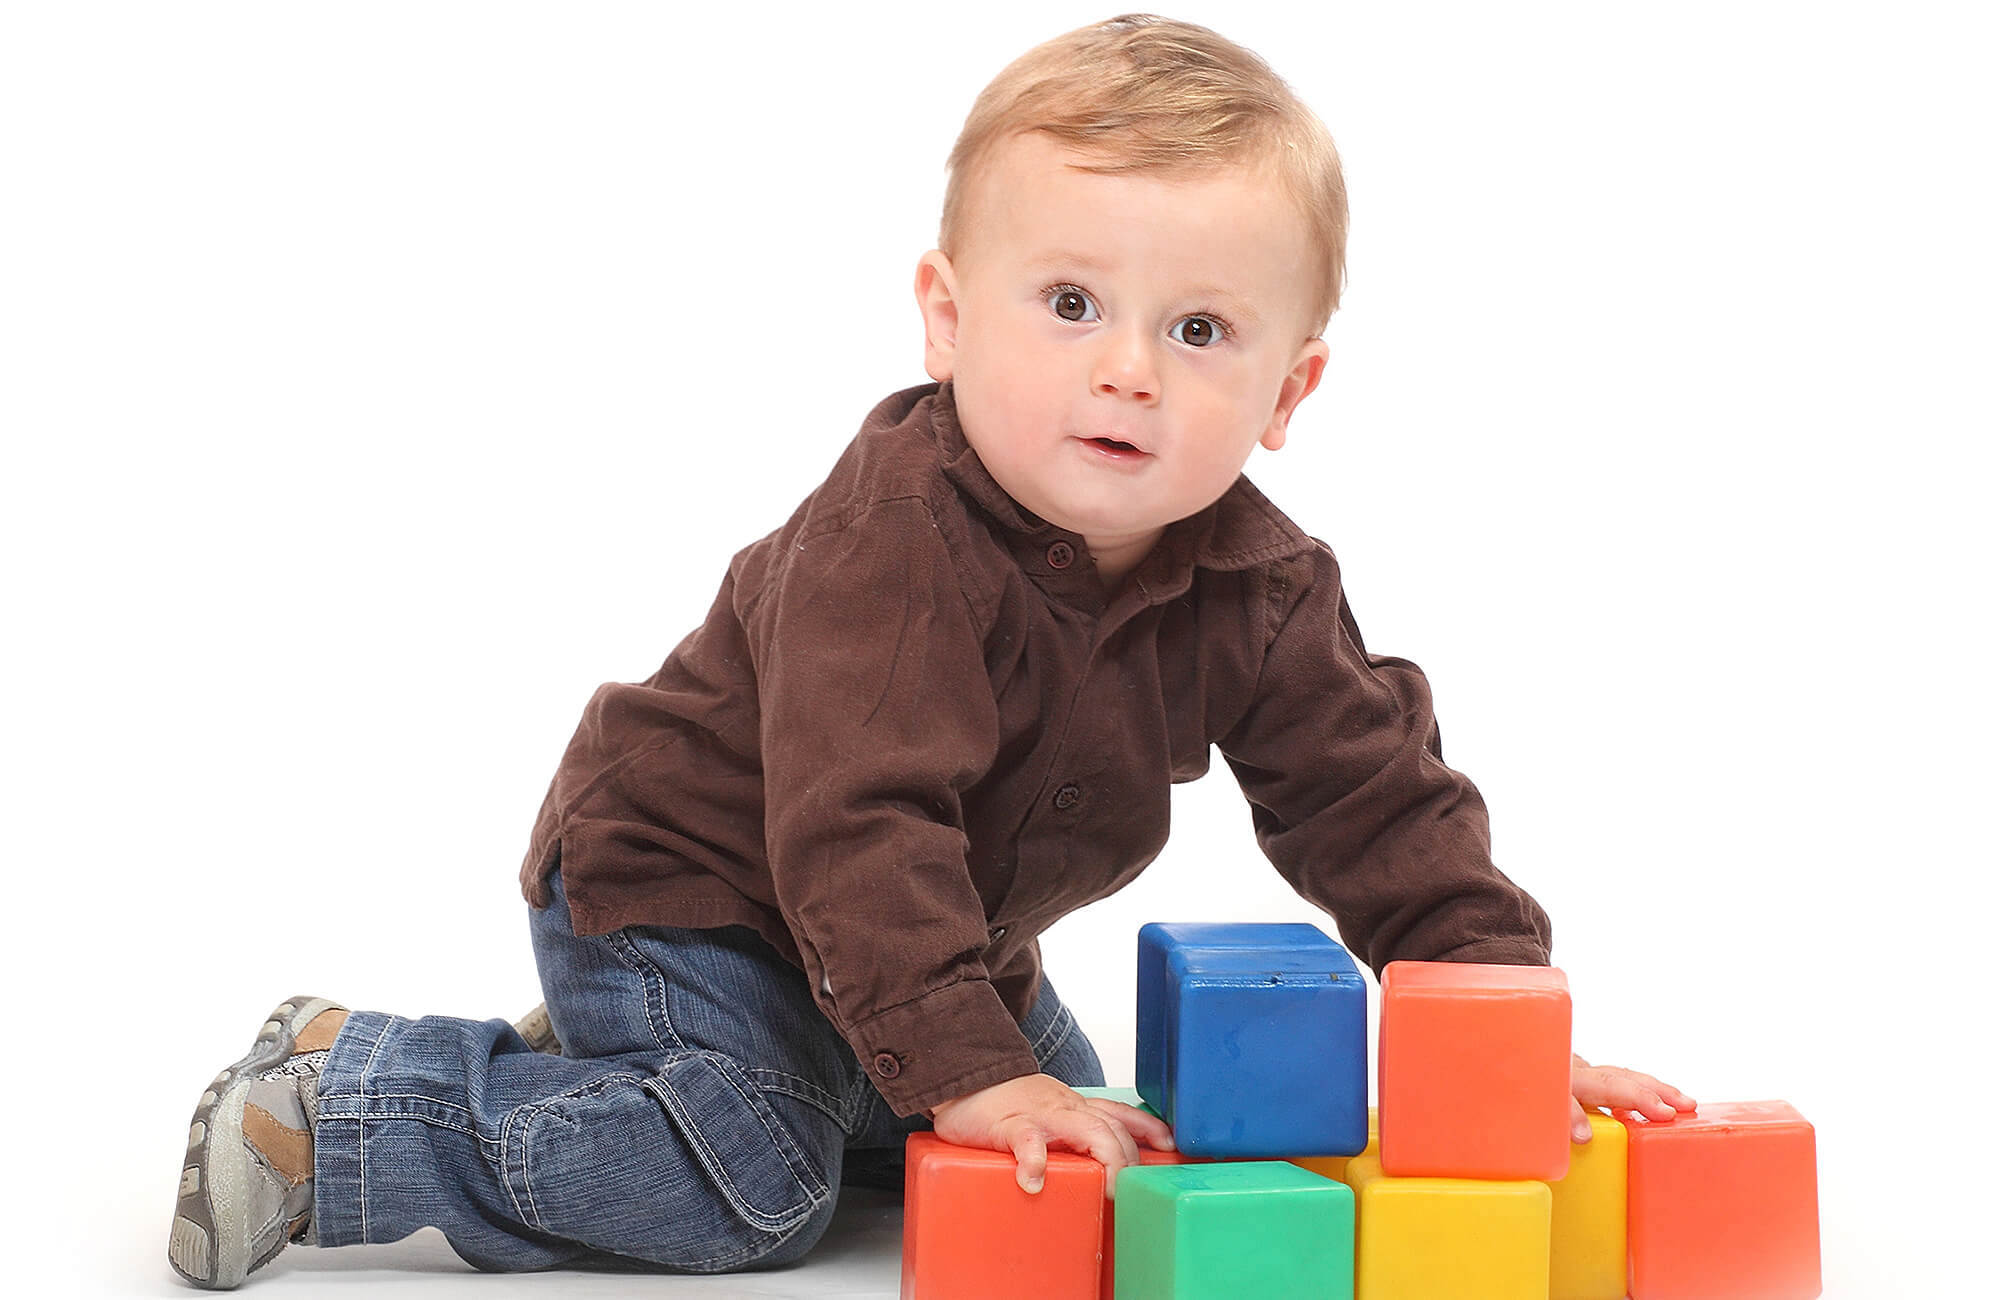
<point>780,1249</point>
<point>690,1169</point>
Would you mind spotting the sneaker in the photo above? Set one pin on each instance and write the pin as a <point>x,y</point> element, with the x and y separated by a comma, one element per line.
<point>246,1189</point>
<point>535,1029</point>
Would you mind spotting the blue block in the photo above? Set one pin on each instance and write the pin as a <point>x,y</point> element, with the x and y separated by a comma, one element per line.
<point>1155,940</point>
<point>1253,1040</point>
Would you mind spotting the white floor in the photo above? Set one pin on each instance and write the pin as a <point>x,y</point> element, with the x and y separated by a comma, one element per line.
<point>859,1258</point>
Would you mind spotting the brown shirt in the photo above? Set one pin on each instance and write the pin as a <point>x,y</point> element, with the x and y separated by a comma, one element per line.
<point>914,731</point>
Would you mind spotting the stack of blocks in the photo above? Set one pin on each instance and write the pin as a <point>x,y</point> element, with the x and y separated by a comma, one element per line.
<point>1464,1185</point>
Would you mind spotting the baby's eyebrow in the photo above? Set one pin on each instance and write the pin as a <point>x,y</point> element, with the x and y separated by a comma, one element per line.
<point>1059,261</point>
<point>1237,307</point>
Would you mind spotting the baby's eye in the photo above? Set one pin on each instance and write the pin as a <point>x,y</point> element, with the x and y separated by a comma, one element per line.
<point>1201,332</point>
<point>1070,302</point>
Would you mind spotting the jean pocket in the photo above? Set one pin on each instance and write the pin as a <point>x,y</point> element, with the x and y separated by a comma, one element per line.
<point>744,1145</point>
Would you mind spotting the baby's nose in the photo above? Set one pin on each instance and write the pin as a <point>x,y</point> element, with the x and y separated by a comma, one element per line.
<point>1126,365</point>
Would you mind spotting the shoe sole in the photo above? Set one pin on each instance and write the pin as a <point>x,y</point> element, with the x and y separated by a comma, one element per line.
<point>210,1243</point>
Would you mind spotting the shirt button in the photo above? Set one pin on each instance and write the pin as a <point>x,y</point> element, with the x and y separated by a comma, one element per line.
<point>1067,796</point>
<point>887,1066</point>
<point>1061,555</point>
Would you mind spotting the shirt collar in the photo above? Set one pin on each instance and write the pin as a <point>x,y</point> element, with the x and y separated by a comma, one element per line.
<point>1238,531</point>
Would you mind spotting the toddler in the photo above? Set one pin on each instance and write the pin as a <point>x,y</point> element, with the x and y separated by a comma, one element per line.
<point>785,893</point>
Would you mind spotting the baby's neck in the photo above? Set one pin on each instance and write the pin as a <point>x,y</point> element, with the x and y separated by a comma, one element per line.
<point>1116,558</point>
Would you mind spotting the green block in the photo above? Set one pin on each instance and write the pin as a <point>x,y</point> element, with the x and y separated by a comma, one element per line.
<point>1130,1096</point>
<point>1231,1231</point>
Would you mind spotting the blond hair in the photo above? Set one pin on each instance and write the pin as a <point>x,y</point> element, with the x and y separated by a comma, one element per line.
<point>1144,93</point>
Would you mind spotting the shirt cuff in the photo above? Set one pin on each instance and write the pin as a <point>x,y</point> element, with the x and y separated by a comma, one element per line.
<point>943,1045</point>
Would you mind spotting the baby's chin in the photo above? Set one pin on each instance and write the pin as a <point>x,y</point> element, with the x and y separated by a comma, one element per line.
<point>1109,530</point>
<point>1121,516</point>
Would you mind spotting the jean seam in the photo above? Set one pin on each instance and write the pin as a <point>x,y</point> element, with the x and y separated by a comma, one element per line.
<point>361,1125</point>
<point>865,1095</point>
<point>432,1120</point>
<point>791,1085</point>
<point>780,1142</point>
<point>1058,1029</point>
<point>334,1112</point>
<point>756,1250</point>
<point>507,1126</point>
<point>649,974</point>
<point>760,1249</point>
<point>523,1117</point>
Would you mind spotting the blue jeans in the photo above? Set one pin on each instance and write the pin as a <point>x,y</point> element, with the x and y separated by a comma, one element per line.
<point>701,1119</point>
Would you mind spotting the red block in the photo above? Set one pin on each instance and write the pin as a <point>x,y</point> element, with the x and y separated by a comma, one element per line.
<point>971,1233</point>
<point>1474,1066</point>
<point>1723,1205</point>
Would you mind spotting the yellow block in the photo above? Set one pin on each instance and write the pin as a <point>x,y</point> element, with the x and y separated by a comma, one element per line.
<point>1335,1167</point>
<point>1587,1218</point>
<point>1447,1238</point>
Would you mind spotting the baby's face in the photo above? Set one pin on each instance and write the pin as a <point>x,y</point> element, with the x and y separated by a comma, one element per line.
<point>1118,344</point>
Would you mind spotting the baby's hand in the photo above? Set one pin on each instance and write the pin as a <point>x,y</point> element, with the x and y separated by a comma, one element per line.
<point>1615,1088</point>
<point>1030,1114</point>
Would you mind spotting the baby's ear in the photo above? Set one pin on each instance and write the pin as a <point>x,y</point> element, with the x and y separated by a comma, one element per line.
<point>1303,377</point>
<point>937,299</point>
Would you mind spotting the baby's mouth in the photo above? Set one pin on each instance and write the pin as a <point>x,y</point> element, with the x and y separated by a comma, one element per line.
<point>1116,447</point>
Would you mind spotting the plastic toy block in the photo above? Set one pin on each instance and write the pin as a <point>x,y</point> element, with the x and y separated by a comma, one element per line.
<point>1335,1167</point>
<point>971,1233</point>
<point>1447,1238</point>
<point>1587,1218</point>
<point>1145,1155</point>
<point>1107,1285</point>
<point>1155,941</point>
<point>1229,1231</point>
<point>1131,1097</point>
<point>1724,1205</point>
<point>1253,1040</point>
<point>1474,1071</point>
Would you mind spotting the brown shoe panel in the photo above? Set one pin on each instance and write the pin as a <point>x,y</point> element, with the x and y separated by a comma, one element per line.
<point>287,1150</point>
<point>321,1032</point>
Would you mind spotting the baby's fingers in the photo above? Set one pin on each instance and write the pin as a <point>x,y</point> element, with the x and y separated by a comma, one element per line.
<point>1142,1125</point>
<point>1579,1123</point>
<point>1621,1089</point>
<point>1031,1154</point>
<point>1103,1140</point>
<point>1674,1096</point>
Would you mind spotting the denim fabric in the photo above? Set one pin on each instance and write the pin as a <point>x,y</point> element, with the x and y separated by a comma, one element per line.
<point>701,1119</point>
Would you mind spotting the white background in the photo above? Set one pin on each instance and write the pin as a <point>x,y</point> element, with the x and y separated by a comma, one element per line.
<point>380,378</point>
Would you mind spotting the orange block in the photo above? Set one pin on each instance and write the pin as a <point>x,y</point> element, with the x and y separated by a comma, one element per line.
<point>971,1233</point>
<point>1723,1205</point>
<point>1473,1071</point>
<point>1147,1156</point>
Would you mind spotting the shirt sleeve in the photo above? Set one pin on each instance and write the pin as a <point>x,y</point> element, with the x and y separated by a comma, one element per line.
<point>1339,757</point>
<point>877,716</point>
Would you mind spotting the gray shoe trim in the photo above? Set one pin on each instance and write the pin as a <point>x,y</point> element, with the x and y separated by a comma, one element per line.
<point>215,1242</point>
<point>280,1099</point>
<point>309,1094</point>
<point>538,1032</point>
